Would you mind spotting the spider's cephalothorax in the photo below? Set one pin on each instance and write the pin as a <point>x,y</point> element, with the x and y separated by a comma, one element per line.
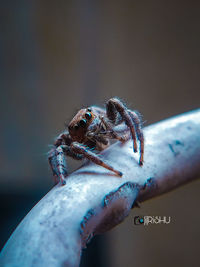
<point>91,129</point>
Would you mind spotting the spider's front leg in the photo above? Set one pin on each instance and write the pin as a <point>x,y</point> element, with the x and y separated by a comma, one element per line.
<point>80,149</point>
<point>137,122</point>
<point>58,163</point>
<point>115,106</point>
<point>57,157</point>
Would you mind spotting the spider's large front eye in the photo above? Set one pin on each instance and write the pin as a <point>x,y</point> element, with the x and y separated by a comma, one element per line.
<point>76,127</point>
<point>88,115</point>
<point>82,123</point>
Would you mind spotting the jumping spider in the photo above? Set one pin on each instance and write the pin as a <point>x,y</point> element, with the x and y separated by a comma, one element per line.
<point>91,128</point>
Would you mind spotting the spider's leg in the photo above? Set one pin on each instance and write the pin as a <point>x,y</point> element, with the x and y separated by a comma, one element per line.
<point>112,133</point>
<point>58,163</point>
<point>81,149</point>
<point>137,122</point>
<point>56,157</point>
<point>113,106</point>
<point>98,110</point>
<point>63,139</point>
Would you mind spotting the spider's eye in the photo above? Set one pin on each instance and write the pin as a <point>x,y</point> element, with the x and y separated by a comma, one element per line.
<point>76,127</point>
<point>88,115</point>
<point>82,123</point>
<point>89,109</point>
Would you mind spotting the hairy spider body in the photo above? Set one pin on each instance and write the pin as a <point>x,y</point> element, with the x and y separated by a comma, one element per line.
<point>91,130</point>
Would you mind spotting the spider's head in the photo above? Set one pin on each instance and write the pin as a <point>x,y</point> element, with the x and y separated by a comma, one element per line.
<point>79,124</point>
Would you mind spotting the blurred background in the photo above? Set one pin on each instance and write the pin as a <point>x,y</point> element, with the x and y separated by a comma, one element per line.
<point>59,56</point>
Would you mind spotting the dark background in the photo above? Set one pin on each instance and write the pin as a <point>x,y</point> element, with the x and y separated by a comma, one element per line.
<point>59,56</point>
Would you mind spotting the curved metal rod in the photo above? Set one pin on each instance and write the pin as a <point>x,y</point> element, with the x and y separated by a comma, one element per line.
<point>94,200</point>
